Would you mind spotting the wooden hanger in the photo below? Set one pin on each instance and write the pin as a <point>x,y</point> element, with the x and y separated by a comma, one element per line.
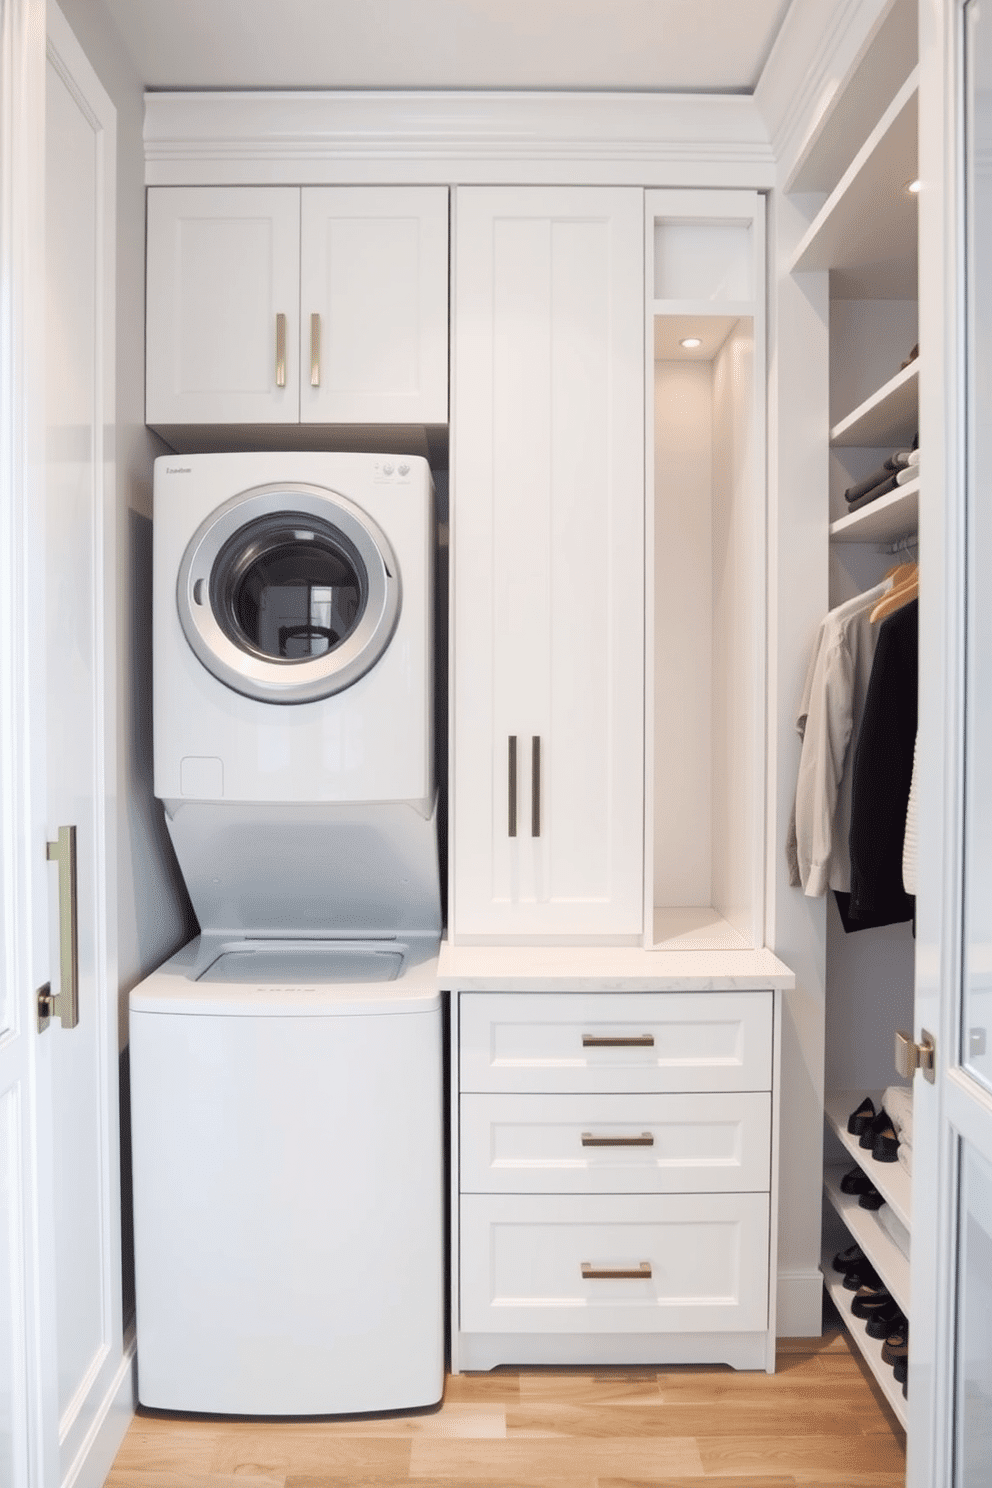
<point>905,587</point>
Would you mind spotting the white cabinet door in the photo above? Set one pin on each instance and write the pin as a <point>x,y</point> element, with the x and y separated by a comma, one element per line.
<point>374,305</point>
<point>223,305</point>
<point>547,531</point>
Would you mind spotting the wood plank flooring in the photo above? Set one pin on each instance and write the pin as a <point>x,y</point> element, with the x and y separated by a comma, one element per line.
<point>820,1421</point>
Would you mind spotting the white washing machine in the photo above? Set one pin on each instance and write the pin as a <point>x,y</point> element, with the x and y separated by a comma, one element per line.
<point>286,1089</point>
<point>287,1161</point>
<point>292,668</point>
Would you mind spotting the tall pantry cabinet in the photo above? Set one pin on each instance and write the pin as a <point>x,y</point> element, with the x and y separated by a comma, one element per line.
<point>547,543</point>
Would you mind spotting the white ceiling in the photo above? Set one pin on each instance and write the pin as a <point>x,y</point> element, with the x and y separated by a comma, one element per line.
<point>711,45</point>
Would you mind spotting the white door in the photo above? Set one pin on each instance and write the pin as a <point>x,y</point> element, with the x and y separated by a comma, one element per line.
<point>374,305</point>
<point>547,531</point>
<point>223,267</point>
<point>950,1383</point>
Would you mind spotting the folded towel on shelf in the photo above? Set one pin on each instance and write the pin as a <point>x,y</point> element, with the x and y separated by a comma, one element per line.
<point>894,1228</point>
<point>905,1156</point>
<point>890,483</point>
<point>899,459</point>
<point>862,488</point>
<point>910,473</point>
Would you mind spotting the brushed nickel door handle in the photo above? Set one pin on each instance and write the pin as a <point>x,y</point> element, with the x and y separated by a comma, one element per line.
<point>315,351</point>
<point>589,1139</point>
<point>511,780</point>
<point>618,1041</point>
<point>65,1004</point>
<point>641,1272</point>
<point>280,350</point>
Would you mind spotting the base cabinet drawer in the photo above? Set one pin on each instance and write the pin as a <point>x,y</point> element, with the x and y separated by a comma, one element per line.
<point>616,1042</point>
<point>681,1263</point>
<point>593,1144</point>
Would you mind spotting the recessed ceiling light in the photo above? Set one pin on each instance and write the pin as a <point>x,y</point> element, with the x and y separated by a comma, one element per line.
<point>913,186</point>
<point>691,342</point>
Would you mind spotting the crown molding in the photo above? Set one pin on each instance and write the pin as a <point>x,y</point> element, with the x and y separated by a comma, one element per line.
<point>820,42</point>
<point>212,138</point>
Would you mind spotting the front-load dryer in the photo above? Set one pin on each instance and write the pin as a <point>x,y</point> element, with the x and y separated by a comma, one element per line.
<point>292,681</point>
<point>293,630</point>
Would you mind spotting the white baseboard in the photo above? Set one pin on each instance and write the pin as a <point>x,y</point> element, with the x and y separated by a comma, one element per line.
<point>96,1456</point>
<point>800,1304</point>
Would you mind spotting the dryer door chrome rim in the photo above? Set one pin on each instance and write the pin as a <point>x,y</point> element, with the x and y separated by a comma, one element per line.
<point>288,593</point>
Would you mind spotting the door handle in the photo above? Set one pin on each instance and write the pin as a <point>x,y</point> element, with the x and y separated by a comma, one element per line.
<point>511,782</point>
<point>315,351</point>
<point>280,350</point>
<point>535,786</point>
<point>65,1004</point>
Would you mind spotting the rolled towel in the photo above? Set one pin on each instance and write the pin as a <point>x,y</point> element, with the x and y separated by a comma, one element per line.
<point>882,489</point>
<point>877,477</point>
<point>910,473</point>
<point>898,459</point>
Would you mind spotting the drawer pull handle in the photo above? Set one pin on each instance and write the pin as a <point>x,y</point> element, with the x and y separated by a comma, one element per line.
<point>280,350</point>
<point>535,786</point>
<point>613,1041</point>
<point>511,782</point>
<point>315,351</point>
<point>646,1139</point>
<point>616,1273</point>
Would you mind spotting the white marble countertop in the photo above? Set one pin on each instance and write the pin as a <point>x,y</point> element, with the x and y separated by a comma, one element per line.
<point>519,968</point>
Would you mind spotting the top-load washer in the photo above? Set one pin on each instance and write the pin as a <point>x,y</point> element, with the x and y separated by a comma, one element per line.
<point>293,650</point>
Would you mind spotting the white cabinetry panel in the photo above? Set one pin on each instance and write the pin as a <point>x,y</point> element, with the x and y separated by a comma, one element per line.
<point>374,269</point>
<point>615,1143</point>
<point>547,533</point>
<point>704,1259</point>
<point>702,1041</point>
<point>276,305</point>
<point>223,263</point>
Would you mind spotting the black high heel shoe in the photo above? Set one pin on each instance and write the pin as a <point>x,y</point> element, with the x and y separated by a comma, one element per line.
<point>859,1120</point>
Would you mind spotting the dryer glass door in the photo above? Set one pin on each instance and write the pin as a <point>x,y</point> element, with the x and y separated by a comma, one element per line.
<point>288,593</point>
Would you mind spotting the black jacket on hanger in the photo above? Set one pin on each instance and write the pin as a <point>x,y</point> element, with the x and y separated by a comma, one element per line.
<point>883,770</point>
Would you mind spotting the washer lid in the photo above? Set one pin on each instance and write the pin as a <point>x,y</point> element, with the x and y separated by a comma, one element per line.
<point>288,593</point>
<point>328,964</point>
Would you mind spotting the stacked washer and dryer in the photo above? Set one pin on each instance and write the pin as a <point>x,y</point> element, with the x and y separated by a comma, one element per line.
<point>286,1084</point>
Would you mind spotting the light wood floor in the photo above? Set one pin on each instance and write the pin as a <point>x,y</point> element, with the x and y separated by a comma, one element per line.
<point>820,1421</point>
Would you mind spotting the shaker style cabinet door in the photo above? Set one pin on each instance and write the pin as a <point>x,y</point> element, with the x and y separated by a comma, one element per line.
<point>223,293</point>
<point>374,305</point>
<point>547,532</point>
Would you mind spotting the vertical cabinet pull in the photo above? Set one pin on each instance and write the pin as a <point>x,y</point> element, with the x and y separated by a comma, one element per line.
<point>511,780</point>
<point>315,351</point>
<point>535,786</point>
<point>280,350</point>
<point>65,1005</point>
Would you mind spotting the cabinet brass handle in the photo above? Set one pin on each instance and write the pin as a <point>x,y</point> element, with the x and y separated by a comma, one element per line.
<point>614,1041</point>
<point>315,351</point>
<point>65,1005</point>
<point>589,1139</point>
<point>616,1273</point>
<point>280,350</point>
<point>535,786</point>
<point>511,774</point>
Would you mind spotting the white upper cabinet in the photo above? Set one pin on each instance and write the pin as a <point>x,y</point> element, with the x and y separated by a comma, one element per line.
<point>374,305</point>
<point>276,305</point>
<point>547,564</point>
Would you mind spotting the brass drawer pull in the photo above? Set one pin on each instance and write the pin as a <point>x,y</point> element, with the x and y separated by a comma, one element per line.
<point>315,351</point>
<point>615,1041</point>
<point>65,1004</point>
<point>617,1273</point>
<point>646,1139</point>
<point>280,350</point>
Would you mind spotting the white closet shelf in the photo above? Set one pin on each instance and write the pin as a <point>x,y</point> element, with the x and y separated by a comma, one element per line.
<point>871,1348</point>
<point>885,520</point>
<point>733,309</point>
<point>889,417</point>
<point>697,929</point>
<point>876,1242</point>
<point>850,112</point>
<point>866,230</point>
<point>891,1179</point>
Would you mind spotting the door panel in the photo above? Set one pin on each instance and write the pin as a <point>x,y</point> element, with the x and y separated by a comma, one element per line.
<point>548,538</point>
<point>374,270</point>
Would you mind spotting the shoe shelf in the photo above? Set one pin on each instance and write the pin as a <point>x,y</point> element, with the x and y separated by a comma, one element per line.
<point>889,418</point>
<point>876,1242</point>
<point>871,1348</point>
<point>891,1179</point>
<point>885,520</point>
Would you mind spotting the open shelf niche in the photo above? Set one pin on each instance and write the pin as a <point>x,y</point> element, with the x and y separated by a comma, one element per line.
<point>705,571</point>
